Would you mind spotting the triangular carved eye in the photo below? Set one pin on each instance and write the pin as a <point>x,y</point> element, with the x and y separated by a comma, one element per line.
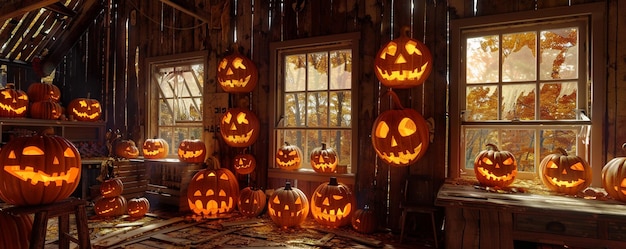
<point>578,167</point>
<point>623,183</point>
<point>508,161</point>
<point>276,200</point>
<point>222,192</point>
<point>390,49</point>
<point>298,201</point>
<point>224,177</point>
<point>487,161</point>
<point>552,165</point>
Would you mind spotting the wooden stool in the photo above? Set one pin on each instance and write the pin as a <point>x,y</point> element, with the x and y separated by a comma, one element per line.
<point>61,209</point>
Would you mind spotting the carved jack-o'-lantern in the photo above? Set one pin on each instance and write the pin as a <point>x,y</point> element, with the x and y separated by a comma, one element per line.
<point>154,148</point>
<point>400,136</point>
<point>213,191</point>
<point>244,163</point>
<point>364,220</point>
<point>251,201</point>
<point>403,62</point>
<point>138,207</point>
<point>15,231</point>
<point>495,168</point>
<point>38,169</point>
<point>84,109</point>
<point>191,151</point>
<point>239,127</point>
<point>43,91</point>
<point>564,173</point>
<point>323,159</point>
<point>614,177</point>
<point>46,109</point>
<point>13,103</point>
<point>288,206</point>
<point>110,206</point>
<point>126,149</point>
<point>111,187</point>
<point>333,204</point>
<point>237,74</point>
<point>289,157</point>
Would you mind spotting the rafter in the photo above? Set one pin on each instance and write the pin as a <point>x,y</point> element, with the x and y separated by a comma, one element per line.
<point>18,8</point>
<point>198,14</point>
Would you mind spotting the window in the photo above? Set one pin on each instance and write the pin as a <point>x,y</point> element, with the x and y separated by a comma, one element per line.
<point>314,98</point>
<point>177,84</point>
<point>526,84</point>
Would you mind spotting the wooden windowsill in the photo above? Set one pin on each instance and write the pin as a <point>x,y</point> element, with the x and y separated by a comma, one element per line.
<point>310,175</point>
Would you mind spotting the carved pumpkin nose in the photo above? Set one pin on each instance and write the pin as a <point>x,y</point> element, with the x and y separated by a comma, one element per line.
<point>326,202</point>
<point>229,72</point>
<point>564,172</point>
<point>321,159</point>
<point>394,143</point>
<point>233,127</point>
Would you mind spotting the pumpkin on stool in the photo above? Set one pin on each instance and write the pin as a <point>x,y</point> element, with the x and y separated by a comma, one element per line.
<point>564,173</point>
<point>288,206</point>
<point>495,168</point>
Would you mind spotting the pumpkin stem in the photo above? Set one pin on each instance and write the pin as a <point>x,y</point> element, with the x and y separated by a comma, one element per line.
<point>333,181</point>
<point>624,146</point>
<point>492,147</point>
<point>562,151</point>
<point>396,101</point>
<point>288,186</point>
<point>405,31</point>
<point>323,146</point>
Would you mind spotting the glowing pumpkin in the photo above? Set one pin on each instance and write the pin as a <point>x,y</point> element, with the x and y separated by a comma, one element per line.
<point>46,109</point>
<point>38,169</point>
<point>15,231</point>
<point>400,136</point>
<point>289,157</point>
<point>288,206</point>
<point>110,206</point>
<point>323,159</point>
<point>191,151</point>
<point>126,149</point>
<point>239,127</point>
<point>111,187</point>
<point>237,74</point>
<point>333,204</point>
<point>13,103</point>
<point>614,177</point>
<point>244,163</point>
<point>251,201</point>
<point>155,148</point>
<point>43,91</point>
<point>564,173</point>
<point>403,62</point>
<point>213,191</point>
<point>84,109</point>
<point>364,220</point>
<point>495,168</point>
<point>137,207</point>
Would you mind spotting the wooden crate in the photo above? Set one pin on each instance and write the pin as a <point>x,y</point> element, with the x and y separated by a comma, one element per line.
<point>169,181</point>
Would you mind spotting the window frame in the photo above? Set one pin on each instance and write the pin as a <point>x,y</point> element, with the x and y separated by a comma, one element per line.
<point>310,45</point>
<point>594,14</point>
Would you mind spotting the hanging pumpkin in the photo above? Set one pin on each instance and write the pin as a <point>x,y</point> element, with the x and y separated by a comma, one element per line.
<point>46,109</point>
<point>237,74</point>
<point>288,206</point>
<point>495,168</point>
<point>126,148</point>
<point>13,103</point>
<point>239,127</point>
<point>364,220</point>
<point>251,201</point>
<point>403,62</point>
<point>564,173</point>
<point>191,151</point>
<point>289,157</point>
<point>111,187</point>
<point>400,136</point>
<point>42,91</point>
<point>15,230</point>
<point>213,191</point>
<point>332,204</point>
<point>324,160</point>
<point>244,163</point>
<point>38,169</point>
<point>110,206</point>
<point>84,109</point>
<point>155,148</point>
<point>138,207</point>
<point>614,177</point>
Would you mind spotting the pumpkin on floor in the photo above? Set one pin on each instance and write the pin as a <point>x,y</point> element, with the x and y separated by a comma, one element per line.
<point>111,187</point>
<point>137,207</point>
<point>15,230</point>
<point>288,206</point>
<point>364,220</point>
<point>333,204</point>
<point>110,206</point>
<point>213,191</point>
<point>563,173</point>
<point>495,168</point>
<point>251,201</point>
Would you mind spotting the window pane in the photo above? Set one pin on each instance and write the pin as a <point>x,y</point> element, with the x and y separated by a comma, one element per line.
<point>294,110</point>
<point>166,116</point>
<point>317,109</point>
<point>475,142</point>
<point>341,141</point>
<point>167,133</point>
<point>518,102</point>
<point>551,140</point>
<point>521,144</point>
<point>519,57</point>
<point>341,69</point>
<point>340,108</point>
<point>482,103</point>
<point>559,53</point>
<point>295,73</point>
<point>317,69</point>
<point>482,59</point>
<point>558,101</point>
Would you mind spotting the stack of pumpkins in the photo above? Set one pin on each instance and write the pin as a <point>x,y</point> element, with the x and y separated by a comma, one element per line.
<point>112,204</point>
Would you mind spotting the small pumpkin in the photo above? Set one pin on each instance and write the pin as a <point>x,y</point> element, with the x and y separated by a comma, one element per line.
<point>364,220</point>
<point>13,102</point>
<point>237,74</point>
<point>324,159</point>
<point>333,204</point>
<point>126,148</point>
<point>614,177</point>
<point>251,201</point>
<point>46,109</point>
<point>138,207</point>
<point>288,206</point>
<point>244,163</point>
<point>289,157</point>
<point>155,148</point>
<point>110,206</point>
<point>563,173</point>
<point>213,191</point>
<point>15,230</point>
<point>111,187</point>
<point>42,91</point>
<point>191,150</point>
<point>239,127</point>
<point>495,168</point>
<point>84,109</point>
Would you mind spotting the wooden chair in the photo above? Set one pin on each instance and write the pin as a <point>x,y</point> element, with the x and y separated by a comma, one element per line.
<point>418,198</point>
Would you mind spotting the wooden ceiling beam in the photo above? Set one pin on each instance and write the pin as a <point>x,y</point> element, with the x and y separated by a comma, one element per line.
<point>17,8</point>
<point>198,14</point>
<point>61,9</point>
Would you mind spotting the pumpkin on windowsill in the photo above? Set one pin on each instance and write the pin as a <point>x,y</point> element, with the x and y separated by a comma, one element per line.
<point>191,150</point>
<point>126,148</point>
<point>155,148</point>
<point>563,173</point>
<point>614,177</point>
<point>495,168</point>
<point>324,159</point>
<point>289,157</point>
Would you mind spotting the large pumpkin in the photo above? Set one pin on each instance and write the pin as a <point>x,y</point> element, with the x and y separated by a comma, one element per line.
<point>41,91</point>
<point>400,136</point>
<point>288,206</point>
<point>495,168</point>
<point>244,163</point>
<point>333,204</point>
<point>137,207</point>
<point>213,191</point>
<point>289,157</point>
<point>155,148</point>
<point>323,159</point>
<point>84,109</point>
<point>251,201</point>
<point>191,151</point>
<point>13,103</point>
<point>364,220</point>
<point>563,173</point>
<point>126,148</point>
<point>403,62</point>
<point>614,177</point>
<point>38,169</point>
<point>111,187</point>
<point>110,206</point>
<point>46,109</point>
<point>239,127</point>
<point>237,74</point>
<point>15,230</point>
